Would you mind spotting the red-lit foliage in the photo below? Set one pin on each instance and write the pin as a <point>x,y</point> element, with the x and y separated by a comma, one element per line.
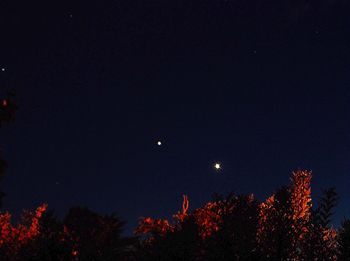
<point>154,227</point>
<point>208,219</point>
<point>84,235</point>
<point>300,202</point>
<point>235,227</point>
<point>281,228</point>
<point>13,238</point>
<point>159,227</point>
<point>181,216</point>
<point>284,219</point>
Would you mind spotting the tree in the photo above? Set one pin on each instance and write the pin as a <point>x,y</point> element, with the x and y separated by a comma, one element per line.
<point>52,243</point>
<point>7,114</point>
<point>274,226</point>
<point>235,238</point>
<point>344,240</point>
<point>82,225</point>
<point>322,238</point>
<point>284,220</point>
<point>325,209</point>
<point>13,239</point>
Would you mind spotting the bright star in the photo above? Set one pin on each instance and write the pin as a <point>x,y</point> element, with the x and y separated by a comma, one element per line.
<point>217,166</point>
<point>159,143</point>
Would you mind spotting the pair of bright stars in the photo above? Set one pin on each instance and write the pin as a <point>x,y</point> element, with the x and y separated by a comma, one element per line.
<point>217,165</point>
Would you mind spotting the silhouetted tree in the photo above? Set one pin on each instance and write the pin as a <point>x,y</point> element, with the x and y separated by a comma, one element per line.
<point>240,228</point>
<point>52,243</point>
<point>325,209</point>
<point>96,237</point>
<point>164,241</point>
<point>235,227</point>
<point>284,220</point>
<point>223,229</point>
<point>3,166</point>
<point>322,238</point>
<point>235,238</point>
<point>344,240</point>
<point>274,235</point>
<point>7,114</point>
<point>184,243</point>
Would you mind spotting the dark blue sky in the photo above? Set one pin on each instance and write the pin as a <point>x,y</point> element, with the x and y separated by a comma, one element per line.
<point>262,87</point>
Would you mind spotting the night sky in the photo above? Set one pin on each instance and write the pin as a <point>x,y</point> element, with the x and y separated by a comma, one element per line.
<point>262,87</point>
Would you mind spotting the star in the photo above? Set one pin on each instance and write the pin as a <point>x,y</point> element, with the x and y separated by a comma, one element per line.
<point>3,69</point>
<point>217,166</point>
<point>159,143</point>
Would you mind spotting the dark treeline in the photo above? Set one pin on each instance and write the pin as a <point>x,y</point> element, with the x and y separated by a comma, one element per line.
<point>234,227</point>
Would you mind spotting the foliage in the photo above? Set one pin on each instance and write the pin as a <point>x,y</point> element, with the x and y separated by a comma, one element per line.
<point>8,108</point>
<point>239,227</point>
<point>84,235</point>
<point>81,225</point>
<point>325,210</point>
<point>344,240</point>
<point>232,227</point>
<point>14,238</point>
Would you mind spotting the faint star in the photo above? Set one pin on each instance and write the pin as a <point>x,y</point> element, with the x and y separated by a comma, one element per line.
<point>3,69</point>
